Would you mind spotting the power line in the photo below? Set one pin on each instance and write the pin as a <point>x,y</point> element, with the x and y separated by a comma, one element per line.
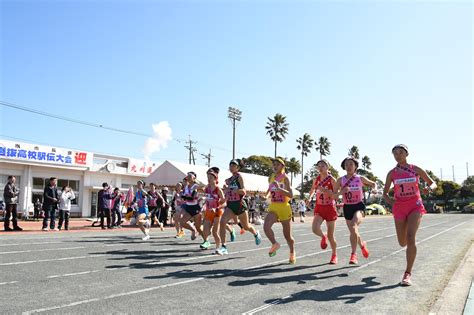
<point>80,122</point>
<point>95,125</point>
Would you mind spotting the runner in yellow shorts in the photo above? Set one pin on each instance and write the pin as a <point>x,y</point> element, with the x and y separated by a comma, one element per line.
<point>279,210</point>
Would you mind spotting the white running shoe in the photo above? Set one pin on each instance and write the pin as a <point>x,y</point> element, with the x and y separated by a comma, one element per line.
<point>146,237</point>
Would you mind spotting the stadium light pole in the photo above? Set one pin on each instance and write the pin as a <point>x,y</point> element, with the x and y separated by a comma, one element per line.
<point>234,115</point>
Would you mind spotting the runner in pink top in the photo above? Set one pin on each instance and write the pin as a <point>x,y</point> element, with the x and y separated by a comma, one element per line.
<point>407,206</point>
<point>350,186</point>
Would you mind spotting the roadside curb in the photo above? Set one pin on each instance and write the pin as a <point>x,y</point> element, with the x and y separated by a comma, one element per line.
<point>456,295</point>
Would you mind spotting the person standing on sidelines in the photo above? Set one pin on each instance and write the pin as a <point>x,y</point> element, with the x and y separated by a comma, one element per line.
<point>67,195</point>
<point>407,206</point>
<point>10,195</point>
<point>117,208</point>
<point>325,209</point>
<point>279,210</point>
<point>104,198</point>
<point>50,204</point>
<point>301,205</point>
<point>350,186</point>
<point>234,191</point>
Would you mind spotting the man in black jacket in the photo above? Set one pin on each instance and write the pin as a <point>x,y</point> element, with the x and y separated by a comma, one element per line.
<point>50,204</point>
<point>103,197</point>
<point>10,194</point>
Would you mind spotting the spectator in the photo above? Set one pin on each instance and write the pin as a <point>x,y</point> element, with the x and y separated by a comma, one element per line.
<point>10,194</point>
<point>302,209</point>
<point>165,207</point>
<point>37,209</point>
<point>65,207</point>
<point>104,205</point>
<point>50,204</point>
<point>252,209</point>
<point>117,209</point>
<point>294,209</point>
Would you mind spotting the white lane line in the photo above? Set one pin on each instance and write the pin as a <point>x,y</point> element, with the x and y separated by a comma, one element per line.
<point>28,244</point>
<point>11,282</point>
<point>41,250</point>
<point>165,234</point>
<point>111,296</point>
<point>205,256</point>
<point>49,260</point>
<point>171,284</point>
<point>278,301</point>
<point>402,249</point>
<point>73,274</point>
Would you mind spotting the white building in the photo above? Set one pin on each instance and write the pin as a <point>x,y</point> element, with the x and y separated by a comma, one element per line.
<point>83,171</point>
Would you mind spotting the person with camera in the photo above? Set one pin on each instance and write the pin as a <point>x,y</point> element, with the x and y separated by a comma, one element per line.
<point>10,195</point>
<point>50,204</point>
<point>117,208</point>
<point>67,195</point>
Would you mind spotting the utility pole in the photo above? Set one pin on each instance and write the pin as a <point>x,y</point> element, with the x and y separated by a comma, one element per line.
<point>467,169</point>
<point>208,158</point>
<point>234,115</point>
<point>191,150</point>
<point>441,170</point>
<point>454,179</point>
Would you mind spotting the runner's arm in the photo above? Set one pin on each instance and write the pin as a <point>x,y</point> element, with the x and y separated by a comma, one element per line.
<point>386,189</point>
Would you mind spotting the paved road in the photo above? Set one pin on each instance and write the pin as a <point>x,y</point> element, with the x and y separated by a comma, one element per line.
<point>114,271</point>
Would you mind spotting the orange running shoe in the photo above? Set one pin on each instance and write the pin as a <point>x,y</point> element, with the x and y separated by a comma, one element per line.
<point>242,231</point>
<point>353,260</point>
<point>274,249</point>
<point>364,250</point>
<point>333,260</point>
<point>292,259</point>
<point>324,242</point>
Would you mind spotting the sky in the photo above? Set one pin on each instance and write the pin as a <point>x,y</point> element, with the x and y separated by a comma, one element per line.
<point>366,73</point>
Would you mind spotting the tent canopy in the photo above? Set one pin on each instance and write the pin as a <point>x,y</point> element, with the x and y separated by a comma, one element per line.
<point>170,173</point>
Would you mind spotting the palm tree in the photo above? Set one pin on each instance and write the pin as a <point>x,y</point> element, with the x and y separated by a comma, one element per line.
<point>293,167</point>
<point>277,128</point>
<point>323,146</point>
<point>305,143</point>
<point>354,152</point>
<point>366,162</point>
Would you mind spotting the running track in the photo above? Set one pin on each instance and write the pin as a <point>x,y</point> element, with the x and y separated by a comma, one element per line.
<point>114,271</point>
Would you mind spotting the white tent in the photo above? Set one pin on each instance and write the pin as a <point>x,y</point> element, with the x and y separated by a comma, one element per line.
<point>169,173</point>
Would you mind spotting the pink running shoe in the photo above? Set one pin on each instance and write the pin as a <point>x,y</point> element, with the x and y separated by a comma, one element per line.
<point>406,281</point>
<point>324,242</point>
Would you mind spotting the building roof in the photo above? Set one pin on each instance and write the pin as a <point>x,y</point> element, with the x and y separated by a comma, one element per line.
<point>170,173</point>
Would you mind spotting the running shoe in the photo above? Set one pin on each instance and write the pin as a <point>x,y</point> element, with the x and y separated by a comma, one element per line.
<point>258,238</point>
<point>161,227</point>
<point>324,242</point>
<point>406,281</point>
<point>222,251</point>
<point>353,260</point>
<point>333,260</point>
<point>242,231</point>
<point>273,249</point>
<point>193,235</point>
<point>232,235</point>
<point>292,259</point>
<point>205,245</point>
<point>146,237</point>
<point>364,250</point>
